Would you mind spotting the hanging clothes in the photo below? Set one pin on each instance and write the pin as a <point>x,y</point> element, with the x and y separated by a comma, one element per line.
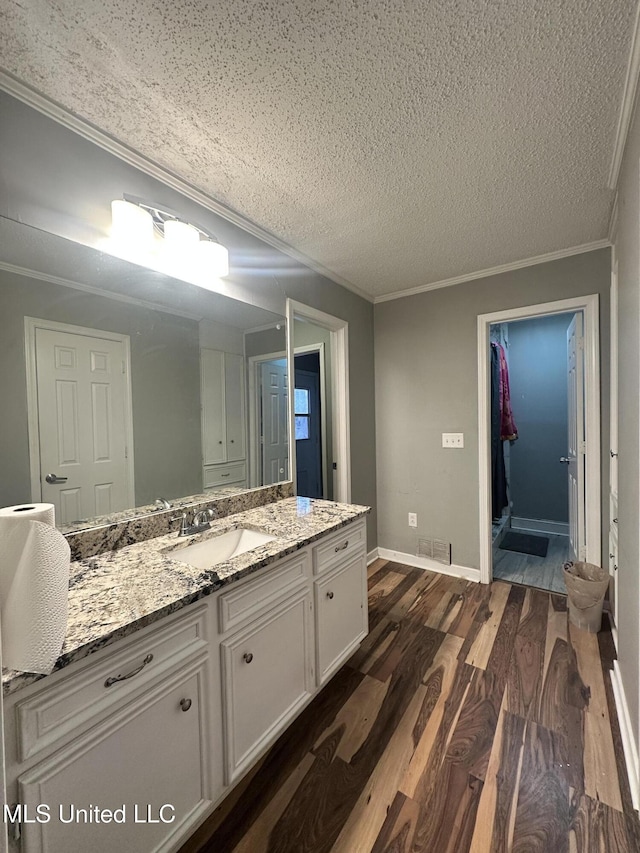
<point>499,498</point>
<point>508,429</point>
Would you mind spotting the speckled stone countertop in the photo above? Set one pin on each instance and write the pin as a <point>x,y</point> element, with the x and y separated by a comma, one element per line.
<point>114,594</point>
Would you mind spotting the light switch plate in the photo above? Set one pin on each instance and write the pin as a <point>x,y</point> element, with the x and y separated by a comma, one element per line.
<point>413,519</point>
<point>453,439</point>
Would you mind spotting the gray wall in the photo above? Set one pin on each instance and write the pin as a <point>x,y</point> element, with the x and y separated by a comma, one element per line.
<point>55,180</point>
<point>538,378</point>
<point>427,384</point>
<point>165,379</point>
<point>629,422</point>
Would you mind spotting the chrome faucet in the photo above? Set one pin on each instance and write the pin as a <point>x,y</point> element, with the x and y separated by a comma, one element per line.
<point>161,503</point>
<point>199,522</point>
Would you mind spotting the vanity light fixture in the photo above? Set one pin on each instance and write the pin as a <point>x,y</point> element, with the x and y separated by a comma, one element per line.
<point>157,238</point>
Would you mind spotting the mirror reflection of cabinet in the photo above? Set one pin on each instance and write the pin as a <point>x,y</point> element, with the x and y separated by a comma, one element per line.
<point>223,418</point>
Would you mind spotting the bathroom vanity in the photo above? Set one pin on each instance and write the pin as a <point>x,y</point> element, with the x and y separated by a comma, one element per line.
<point>174,680</point>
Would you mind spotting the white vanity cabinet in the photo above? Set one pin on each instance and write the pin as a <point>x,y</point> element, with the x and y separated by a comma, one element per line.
<point>223,418</point>
<point>267,660</point>
<point>133,729</point>
<point>158,727</point>
<point>340,592</point>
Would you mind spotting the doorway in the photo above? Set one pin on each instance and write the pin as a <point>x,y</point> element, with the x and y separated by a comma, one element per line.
<point>537,497</point>
<point>308,412</point>
<point>307,328</point>
<point>580,463</point>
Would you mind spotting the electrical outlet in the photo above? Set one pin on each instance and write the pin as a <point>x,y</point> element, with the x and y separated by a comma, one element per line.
<point>413,519</point>
<point>453,439</point>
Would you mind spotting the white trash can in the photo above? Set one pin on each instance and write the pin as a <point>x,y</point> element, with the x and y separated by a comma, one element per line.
<point>587,586</point>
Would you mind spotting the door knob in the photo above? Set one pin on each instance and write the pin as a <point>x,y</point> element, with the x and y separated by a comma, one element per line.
<point>53,478</point>
<point>564,460</point>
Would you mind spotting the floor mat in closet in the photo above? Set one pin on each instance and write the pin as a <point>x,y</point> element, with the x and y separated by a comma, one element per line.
<point>525,543</point>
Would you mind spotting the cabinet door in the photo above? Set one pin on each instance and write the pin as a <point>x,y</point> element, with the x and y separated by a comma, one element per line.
<point>266,679</point>
<point>341,614</point>
<point>234,406</point>
<point>212,377</point>
<point>152,755</point>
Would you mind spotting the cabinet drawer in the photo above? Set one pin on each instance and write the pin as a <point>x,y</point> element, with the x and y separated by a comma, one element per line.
<point>261,591</point>
<point>339,547</point>
<point>221,475</point>
<point>266,680</point>
<point>74,703</point>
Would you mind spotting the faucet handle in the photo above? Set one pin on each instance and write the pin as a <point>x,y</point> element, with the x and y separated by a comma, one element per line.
<point>183,523</point>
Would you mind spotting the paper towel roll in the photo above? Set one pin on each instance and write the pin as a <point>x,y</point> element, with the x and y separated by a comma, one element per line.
<point>31,512</point>
<point>34,592</point>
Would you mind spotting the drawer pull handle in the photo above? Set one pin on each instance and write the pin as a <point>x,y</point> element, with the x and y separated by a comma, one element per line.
<point>247,657</point>
<point>185,704</point>
<point>342,547</point>
<point>115,678</point>
<point>329,595</point>
<point>228,474</point>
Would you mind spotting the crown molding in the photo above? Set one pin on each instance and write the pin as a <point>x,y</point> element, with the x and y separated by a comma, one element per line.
<point>53,110</point>
<point>628,104</point>
<point>515,265</point>
<point>96,291</point>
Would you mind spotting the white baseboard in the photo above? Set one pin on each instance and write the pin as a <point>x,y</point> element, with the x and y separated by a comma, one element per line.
<point>431,565</point>
<point>540,525</point>
<point>372,556</point>
<point>628,741</point>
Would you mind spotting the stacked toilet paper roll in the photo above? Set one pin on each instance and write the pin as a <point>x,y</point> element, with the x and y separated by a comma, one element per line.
<point>34,587</point>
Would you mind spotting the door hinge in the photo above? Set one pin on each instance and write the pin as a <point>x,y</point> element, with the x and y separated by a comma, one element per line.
<point>581,343</point>
<point>583,447</point>
<point>582,553</point>
<point>124,367</point>
<point>126,453</point>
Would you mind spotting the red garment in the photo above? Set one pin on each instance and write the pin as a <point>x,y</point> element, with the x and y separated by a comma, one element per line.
<point>508,429</point>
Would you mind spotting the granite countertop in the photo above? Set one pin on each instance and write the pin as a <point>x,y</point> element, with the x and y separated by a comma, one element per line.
<point>114,594</point>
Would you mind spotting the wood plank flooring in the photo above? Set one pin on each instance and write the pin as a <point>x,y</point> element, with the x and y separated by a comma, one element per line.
<point>539,572</point>
<point>471,720</point>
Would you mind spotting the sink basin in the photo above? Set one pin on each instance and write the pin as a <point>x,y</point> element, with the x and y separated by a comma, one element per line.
<point>218,549</point>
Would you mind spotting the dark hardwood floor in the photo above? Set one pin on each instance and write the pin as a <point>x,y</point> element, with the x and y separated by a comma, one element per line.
<point>472,718</point>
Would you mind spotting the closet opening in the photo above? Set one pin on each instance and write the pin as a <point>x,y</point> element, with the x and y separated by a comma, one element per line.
<point>537,434</point>
<point>539,448</point>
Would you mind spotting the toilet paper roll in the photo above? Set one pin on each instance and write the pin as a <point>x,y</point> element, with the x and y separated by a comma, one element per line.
<point>31,512</point>
<point>34,592</point>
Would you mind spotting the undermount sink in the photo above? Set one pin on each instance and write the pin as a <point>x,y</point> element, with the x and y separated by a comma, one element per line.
<point>218,549</point>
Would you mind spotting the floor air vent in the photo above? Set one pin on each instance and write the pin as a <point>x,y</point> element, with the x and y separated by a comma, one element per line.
<point>435,549</point>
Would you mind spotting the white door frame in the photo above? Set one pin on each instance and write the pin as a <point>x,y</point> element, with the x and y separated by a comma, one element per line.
<point>319,348</point>
<point>255,451</point>
<point>593,509</point>
<point>340,391</point>
<point>30,326</point>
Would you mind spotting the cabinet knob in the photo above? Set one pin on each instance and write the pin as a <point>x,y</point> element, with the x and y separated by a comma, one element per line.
<point>220,442</point>
<point>233,441</point>
<point>329,595</point>
<point>342,547</point>
<point>185,704</point>
<point>247,657</point>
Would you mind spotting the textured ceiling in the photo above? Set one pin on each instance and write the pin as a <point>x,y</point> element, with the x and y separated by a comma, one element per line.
<point>396,143</point>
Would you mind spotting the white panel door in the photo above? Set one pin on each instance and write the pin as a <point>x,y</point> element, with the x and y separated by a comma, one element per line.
<point>214,437</point>
<point>83,424</point>
<point>234,390</point>
<point>275,419</point>
<point>575,458</point>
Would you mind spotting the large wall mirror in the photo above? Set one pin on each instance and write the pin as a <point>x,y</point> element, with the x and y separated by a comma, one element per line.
<point>121,386</point>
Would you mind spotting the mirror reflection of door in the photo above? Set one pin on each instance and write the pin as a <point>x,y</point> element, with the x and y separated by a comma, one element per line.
<point>307,412</point>
<point>80,407</point>
<point>274,419</point>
